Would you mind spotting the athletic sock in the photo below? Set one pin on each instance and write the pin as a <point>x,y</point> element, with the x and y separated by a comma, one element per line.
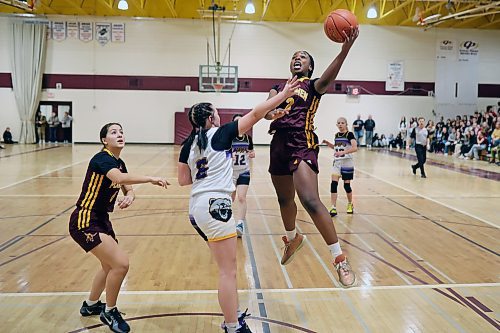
<point>109,308</point>
<point>335,249</point>
<point>90,303</point>
<point>290,235</point>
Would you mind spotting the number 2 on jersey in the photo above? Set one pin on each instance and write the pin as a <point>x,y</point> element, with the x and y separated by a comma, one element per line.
<point>289,103</point>
<point>202,166</point>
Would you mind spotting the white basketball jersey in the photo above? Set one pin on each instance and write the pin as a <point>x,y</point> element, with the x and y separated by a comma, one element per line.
<point>211,170</point>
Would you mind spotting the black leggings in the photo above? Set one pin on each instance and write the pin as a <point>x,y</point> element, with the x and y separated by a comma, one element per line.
<point>421,157</point>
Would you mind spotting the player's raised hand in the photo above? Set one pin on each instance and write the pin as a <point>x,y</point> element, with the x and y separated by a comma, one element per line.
<point>350,37</point>
<point>290,86</point>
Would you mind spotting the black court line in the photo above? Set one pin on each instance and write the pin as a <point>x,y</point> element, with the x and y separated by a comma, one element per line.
<point>471,171</point>
<point>447,229</point>
<point>18,238</point>
<point>31,251</point>
<point>31,151</point>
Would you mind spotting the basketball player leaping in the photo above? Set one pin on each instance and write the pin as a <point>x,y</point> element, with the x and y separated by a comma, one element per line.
<point>294,157</point>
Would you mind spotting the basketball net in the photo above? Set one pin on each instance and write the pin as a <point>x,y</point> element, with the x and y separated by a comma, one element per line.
<point>218,87</point>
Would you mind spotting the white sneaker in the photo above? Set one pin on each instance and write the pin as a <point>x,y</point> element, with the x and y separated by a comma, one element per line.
<point>239,229</point>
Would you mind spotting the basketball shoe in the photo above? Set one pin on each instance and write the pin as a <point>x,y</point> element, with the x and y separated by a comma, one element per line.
<point>350,208</point>
<point>92,310</point>
<point>347,277</point>
<point>114,320</point>
<point>292,247</point>
<point>239,229</point>
<point>241,321</point>
<point>333,211</point>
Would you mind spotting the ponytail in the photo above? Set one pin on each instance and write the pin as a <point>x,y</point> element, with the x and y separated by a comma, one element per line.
<point>198,115</point>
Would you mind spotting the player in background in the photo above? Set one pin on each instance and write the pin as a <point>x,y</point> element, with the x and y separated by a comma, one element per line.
<point>344,146</point>
<point>242,150</point>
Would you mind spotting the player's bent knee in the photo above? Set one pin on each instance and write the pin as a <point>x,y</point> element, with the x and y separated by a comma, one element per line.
<point>347,187</point>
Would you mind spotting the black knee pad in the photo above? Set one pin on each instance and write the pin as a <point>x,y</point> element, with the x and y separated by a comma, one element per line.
<point>333,186</point>
<point>347,187</point>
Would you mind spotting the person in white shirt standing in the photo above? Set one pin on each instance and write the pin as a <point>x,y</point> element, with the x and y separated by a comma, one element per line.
<point>66,126</point>
<point>420,136</point>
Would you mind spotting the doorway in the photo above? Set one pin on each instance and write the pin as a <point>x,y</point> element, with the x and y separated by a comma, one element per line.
<point>64,131</point>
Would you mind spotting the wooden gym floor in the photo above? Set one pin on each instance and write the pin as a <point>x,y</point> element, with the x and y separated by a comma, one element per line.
<point>426,251</point>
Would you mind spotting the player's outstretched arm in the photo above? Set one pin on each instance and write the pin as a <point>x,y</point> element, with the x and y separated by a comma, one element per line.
<point>247,121</point>
<point>117,177</point>
<point>330,74</point>
<point>328,143</point>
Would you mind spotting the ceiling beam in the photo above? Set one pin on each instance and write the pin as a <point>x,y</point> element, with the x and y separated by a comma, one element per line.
<point>423,12</point>
<point>395,9</point>
<point>471,18</point>
<point>484,26</point>
<point>297,10</point>
<point>170,6</point>
<point>79,9</point>
<point>334,6</point>
<point>266,6</point>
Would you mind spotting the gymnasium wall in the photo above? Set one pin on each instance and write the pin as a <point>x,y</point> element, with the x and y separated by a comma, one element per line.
<point>175,48</point>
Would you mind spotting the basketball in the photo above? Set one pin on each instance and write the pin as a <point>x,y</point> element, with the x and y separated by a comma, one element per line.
<point>338,21</point>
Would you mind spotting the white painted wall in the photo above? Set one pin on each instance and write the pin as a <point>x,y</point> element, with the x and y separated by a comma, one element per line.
<point>177,47</point>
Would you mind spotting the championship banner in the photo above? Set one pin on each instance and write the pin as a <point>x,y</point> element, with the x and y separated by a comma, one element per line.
<point>59,31</point>
<point>103,33</point>
<point>72,28</point>
<point>395,80</point>
<point>85,31</point>
<point>446,49</point>
<point>118,32</point>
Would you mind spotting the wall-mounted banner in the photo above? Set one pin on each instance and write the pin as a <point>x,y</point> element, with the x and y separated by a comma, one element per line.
<point>118,32</point>
<point>103,33</point>
<point>59,31</point>
<point>468,51</point>
<point>395,76</point>
<point>86,32</point>
<point>446,49</point>
<point>72,30</point>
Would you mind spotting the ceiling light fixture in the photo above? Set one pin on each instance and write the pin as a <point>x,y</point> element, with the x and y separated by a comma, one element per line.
<point>372,12</point>
<point>122,5</point>
<point>250,8</point>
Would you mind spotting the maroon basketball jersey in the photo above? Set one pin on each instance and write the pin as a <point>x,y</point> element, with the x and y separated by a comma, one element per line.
<point>302,107</point>
<point>98,191</point>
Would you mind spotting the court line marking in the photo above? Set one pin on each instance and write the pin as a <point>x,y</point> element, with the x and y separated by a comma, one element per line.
<point>42,174</point>
<point>431,199</point>
<point>286,291</point>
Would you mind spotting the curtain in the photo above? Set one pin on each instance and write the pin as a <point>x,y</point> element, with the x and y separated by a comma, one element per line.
<point>28,62</point>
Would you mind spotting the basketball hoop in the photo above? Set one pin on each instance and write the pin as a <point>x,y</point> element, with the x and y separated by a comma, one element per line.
<point>218,87</point>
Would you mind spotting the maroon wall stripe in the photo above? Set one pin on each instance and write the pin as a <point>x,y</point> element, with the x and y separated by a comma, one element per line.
<point>178,83</point>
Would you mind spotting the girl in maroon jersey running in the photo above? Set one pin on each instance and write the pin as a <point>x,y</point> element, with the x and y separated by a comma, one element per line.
<point>294,157</point>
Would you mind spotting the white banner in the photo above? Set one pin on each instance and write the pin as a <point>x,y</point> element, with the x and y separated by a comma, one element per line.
<point>118,32</point>
<point>86,31</point>
<point>446,49</point>
<point>468,51</point>
<point>59,31</point>
<point>395,76</point>
<point>72,30</point>
<point>103,33</point>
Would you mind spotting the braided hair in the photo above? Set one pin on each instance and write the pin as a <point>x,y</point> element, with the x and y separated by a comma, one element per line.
<point>198,115</point>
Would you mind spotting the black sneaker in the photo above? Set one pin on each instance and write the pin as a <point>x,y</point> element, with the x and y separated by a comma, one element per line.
<point>414,169</point>
<point>241,321</point>
<point>423,176</point>
<point>115,321</point>
<point>92,310</point>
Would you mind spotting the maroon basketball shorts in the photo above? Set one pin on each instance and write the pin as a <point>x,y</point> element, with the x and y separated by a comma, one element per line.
<point>85,226</point>
<point>289,148</point>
